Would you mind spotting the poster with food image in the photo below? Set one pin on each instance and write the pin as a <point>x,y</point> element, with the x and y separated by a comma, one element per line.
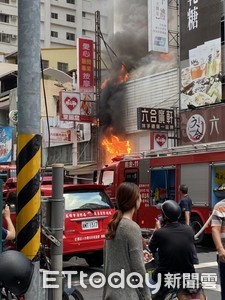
<point>201,79</point>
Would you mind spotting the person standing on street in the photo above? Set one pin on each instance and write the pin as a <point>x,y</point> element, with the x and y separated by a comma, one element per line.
<point>218,234</point>
<point>123,249</point>
<point>185,205</point>
<point>174,243</point>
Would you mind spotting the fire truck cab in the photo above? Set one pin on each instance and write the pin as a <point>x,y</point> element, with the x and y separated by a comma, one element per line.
<point>159,174</point>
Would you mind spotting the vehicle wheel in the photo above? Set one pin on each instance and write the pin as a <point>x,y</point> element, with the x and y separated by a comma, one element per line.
<point>76,295</point>
<point>95,260</point>
<point>196,224</point>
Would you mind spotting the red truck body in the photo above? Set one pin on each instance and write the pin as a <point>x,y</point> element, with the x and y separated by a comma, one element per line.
<point>200,167</point>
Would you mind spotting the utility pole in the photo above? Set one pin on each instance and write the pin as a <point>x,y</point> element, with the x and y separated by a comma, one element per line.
<point>29,138</point>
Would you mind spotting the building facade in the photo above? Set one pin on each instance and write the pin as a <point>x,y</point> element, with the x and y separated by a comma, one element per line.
<point>62,22</point>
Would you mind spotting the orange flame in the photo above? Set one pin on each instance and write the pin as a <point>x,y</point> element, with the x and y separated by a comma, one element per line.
<point>122,78</point>
<point>123,75</point>
<point>114,146</point>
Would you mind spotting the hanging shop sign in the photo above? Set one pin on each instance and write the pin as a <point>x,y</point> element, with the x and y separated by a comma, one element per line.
<point>155,119</point>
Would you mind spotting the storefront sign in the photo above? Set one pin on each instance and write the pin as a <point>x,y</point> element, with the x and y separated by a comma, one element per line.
<point>155,119</point>
<point>85,66</point>
<point>203,125</point>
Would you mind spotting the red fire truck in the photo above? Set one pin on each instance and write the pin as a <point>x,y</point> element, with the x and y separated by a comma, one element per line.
<point>201,167</point>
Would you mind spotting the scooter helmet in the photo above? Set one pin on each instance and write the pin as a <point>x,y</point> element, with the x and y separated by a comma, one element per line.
<point>171,210</point>
<point>16,271</point>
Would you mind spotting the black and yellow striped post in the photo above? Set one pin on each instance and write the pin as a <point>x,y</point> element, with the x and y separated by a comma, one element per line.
<point>28,194</point>
<point>29,139</point>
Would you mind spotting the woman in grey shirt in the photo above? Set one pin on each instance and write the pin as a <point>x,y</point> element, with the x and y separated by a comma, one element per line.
<point>123,252</point>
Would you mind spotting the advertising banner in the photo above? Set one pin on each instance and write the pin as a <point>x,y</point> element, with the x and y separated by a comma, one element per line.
<point>203,125</point>
<point>158,25</point>
<point>6,144</point>
<point>85,65</point>
<point>201,55</point>
<point>199,23</point>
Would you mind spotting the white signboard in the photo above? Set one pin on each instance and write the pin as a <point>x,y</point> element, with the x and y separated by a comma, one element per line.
<point>158,25</point>
<point>69,106</point>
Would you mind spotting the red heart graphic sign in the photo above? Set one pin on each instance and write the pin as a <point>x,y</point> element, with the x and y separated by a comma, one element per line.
<point>71,103</point>
<point>160,139</point>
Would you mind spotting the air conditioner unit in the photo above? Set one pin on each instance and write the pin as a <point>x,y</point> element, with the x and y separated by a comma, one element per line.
<point>13,36</point>
<point>13,18</point>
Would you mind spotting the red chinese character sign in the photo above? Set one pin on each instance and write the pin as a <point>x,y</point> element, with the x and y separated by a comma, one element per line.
<point>85,66</point>
<point>69,106</point>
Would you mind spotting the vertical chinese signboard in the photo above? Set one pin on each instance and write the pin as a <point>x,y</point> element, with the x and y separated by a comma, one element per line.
<point>85,79</point>
<point>201,55</point>
<point>158,25</point>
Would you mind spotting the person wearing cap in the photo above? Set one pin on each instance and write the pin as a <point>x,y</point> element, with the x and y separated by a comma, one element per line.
<point>174,245</point>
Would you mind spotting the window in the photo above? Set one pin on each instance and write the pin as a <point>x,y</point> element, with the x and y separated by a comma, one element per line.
<point>45,64</point>
<point>86,200</point>
<point>83,32</point>
<point>54,15</point>
<point>54,34</point>
<point>62,67</point>
<point>107,177</point>
<point>83,14</point>
<point>70,18</point>
<point>4,18</point>
<point>131,176</point>
<point>4,1</point>
<point>5,38</point>
<point>70,36</point>
<point>70,1</point>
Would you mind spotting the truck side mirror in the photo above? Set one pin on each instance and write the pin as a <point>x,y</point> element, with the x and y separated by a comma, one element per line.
<point>95,176</point>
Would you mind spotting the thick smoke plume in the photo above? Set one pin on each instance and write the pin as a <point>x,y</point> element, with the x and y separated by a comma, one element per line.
<point>130,48</point>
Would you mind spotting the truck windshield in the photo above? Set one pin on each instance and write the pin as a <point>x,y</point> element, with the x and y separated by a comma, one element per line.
<point>87,200</point>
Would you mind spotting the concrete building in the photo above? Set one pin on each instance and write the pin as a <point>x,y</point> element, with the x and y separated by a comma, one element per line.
<point>62,22</point>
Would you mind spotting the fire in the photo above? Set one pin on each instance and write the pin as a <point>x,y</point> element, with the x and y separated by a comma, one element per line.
<point>121,78</point>
<point>123,75</point>
<point>114,146</point>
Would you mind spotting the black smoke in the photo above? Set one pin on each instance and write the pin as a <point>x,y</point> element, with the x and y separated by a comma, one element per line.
<point>130,45</point>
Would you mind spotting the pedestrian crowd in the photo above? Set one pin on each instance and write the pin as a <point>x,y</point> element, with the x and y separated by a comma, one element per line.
<point>171,247</point>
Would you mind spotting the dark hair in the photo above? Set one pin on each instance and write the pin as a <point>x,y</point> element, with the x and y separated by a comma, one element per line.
<point>183,188</point>
<point>126,197</point>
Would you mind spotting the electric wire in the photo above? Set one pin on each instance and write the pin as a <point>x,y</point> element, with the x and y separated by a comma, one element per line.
<point>47,116</point>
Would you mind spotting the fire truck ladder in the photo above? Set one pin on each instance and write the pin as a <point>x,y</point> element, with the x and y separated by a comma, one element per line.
<point>188,149</point>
